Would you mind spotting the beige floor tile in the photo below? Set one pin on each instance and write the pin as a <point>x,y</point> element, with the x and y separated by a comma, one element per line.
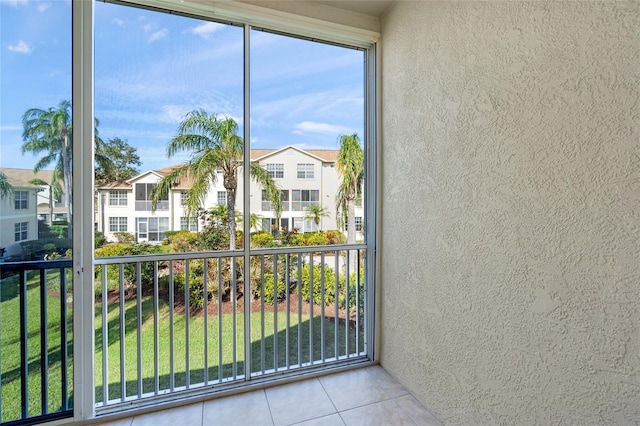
<point>416,411</point>
<point>298,402</point>
<point>239,410</point>
<point>389,383</point>
<point>190,415</point>
<point>377,414</point>
<point>121,422</point>
<point>332,420</point>
<point>353,389</point>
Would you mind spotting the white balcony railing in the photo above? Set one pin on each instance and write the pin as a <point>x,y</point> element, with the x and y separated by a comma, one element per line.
<point>188,322</point>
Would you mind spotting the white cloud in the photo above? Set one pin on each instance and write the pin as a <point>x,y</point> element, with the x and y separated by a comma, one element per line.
<point>43,6</point>
<point>205,30</point>
<point>118,22</point>
<point>323,128</point>
<point>158,35</point>
<point>15,3</point>
<point>21,47</point>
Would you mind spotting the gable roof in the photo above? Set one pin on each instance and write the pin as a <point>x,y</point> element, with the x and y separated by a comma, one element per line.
<point>324,155</point>
<point>20,177</point>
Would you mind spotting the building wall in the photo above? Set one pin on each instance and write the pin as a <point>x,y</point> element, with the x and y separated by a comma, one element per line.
<point>9,216</point>
<point>511,171</point>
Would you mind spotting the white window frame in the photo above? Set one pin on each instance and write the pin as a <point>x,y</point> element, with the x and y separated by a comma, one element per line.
<point>83,162</point>
<point>188,224</point>
<point>305,171</point>
<point>21,200</point>
<point>221,198</point>
<point>118,224</point>
<point>21,231</point>
<point>275,170</point>
<point>118,198</point>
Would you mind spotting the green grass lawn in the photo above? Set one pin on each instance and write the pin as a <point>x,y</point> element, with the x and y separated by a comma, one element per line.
<point>275,345</point>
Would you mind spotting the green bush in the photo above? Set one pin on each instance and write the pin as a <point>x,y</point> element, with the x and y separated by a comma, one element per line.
<point>182,241</point>
<point>316,239</point>
<point>130,268</point>
<point>99,240</point>
<point>196,288</point>
<point>36,249</point>
<point>329,284</point>
<point>59,231</point>
<point>262,239</point>
<point>352,292</point>
<point>270,292</point>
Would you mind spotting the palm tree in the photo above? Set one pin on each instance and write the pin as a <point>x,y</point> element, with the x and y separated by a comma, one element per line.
<point>214,145</point>
<point>350,167</point>
<point>50,131</point>
<point>316,212</point>
<point>5,187</point>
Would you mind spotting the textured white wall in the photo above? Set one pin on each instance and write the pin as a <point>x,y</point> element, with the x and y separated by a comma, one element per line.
<point>511,210</point>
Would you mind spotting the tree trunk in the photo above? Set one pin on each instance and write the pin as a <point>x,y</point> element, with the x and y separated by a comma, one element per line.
<point>230,184</point>
<point>66,172</point>
<point>351,232</point>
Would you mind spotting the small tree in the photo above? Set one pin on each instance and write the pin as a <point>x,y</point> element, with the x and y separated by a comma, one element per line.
<point>316,212</point>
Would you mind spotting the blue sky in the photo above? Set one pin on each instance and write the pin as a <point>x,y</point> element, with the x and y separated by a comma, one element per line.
<point>152,68</point>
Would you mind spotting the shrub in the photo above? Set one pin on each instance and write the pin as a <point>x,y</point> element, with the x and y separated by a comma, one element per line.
<point>99,240</point>
<point>262,239</point>
<point>196,288</point>
<point>352,292</point>
<point>182,241</point>
<point>213,238</point>
<point>335,237</point>
<point>36,249</point>
<point>329,284</point>
<point>270,293</point>
<point>124,237</point>
<point>130,268</point>
<point>316,239</point>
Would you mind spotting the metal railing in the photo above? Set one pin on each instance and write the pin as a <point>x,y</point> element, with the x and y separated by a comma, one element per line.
<point>179,322</point>
<point>35,350</point>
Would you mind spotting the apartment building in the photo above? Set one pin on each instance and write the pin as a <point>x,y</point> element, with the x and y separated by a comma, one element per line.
<point>305,177</point>
<point>29,203</point>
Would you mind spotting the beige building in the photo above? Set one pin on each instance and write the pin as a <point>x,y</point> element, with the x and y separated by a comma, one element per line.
<point>305,178</point>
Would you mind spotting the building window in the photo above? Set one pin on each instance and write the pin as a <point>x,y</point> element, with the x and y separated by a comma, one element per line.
<point>305,171</point>
<point>144,195</point>
<point>117,224</point>
<point>151,228</point>
<point>304,224</point>
<point>358,224</point>
<point>222,198</point>
<point>183,198</point>
<point>303,198</point>
<point>117,198</point>
<point>284,201</point>
<point>21,231</point>
<point>21,200</point>
<point>188,224</point>
<point>275,170</point>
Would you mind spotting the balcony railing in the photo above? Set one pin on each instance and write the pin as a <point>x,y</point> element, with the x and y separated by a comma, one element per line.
<point>35,342</point>
<point>145,206</point>
<point>179,323</point>
<point>191,322</point>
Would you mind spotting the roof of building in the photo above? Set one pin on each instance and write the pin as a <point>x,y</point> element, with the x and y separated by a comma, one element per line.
<point>325,155</point>
<point>20,177</point>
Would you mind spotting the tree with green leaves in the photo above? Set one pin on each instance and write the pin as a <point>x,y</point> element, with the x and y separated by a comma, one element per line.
<point>350,167</point>
<point>50,132</point>
<point>115,160</point>
<point>214,145</point>
<point>6,190</point>
<point>316,212</point>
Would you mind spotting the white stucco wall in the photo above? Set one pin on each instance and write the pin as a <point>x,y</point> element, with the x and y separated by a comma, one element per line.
<point>511,170</point>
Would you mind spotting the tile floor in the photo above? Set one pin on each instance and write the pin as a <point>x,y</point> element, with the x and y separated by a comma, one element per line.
<point>366,396</point>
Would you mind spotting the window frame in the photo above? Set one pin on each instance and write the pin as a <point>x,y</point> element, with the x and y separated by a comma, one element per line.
<point>83,101</point>
<point>304,170</point>
<point>20,228</point>
<point>121,196</point>
<point>19,202</point>
<point>118,222</point>
<point>275,170</point>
